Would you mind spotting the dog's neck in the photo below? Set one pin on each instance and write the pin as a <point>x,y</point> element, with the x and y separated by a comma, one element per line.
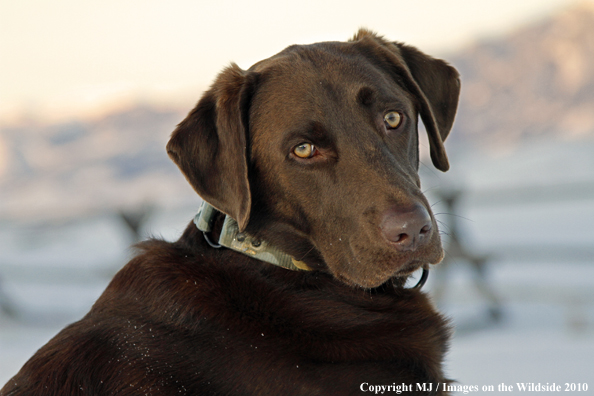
<point>231,238</point>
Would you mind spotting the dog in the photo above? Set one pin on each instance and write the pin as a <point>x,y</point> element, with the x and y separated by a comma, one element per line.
<point>307,163</point>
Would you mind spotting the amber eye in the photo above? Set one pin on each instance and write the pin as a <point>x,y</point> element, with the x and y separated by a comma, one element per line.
<point>304,150</point>
<point>393,119</point>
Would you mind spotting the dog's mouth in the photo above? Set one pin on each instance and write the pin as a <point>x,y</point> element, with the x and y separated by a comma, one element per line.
<point>375,279</point>
<point>369,264</point>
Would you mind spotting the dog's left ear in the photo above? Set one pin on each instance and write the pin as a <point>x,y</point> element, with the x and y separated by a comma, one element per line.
<point>435,83</point>
<point>440,84</point>
<point>210,145</point>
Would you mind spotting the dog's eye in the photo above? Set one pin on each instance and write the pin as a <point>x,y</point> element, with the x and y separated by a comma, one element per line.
<point>304,150</point>
<point>393,119</point>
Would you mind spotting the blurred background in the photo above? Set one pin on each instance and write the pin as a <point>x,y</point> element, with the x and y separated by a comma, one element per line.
<point>90,91</point>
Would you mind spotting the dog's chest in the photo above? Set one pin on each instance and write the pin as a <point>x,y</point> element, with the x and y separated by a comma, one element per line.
<point>321,342</point>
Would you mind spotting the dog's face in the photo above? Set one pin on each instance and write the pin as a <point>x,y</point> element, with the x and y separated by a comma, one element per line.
<point>316,151</point>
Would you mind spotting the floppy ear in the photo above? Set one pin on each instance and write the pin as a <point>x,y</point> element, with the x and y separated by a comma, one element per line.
<point>440,85</point>
<point>433,81</point>
<point>210,145</point>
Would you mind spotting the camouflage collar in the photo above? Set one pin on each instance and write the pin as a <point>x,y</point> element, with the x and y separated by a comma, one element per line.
<point>242,242</point>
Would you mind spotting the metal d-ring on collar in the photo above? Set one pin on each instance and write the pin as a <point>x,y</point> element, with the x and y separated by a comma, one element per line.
<point>204,220</point>
<point>241,242</point>
<point>423,279</point>
<point>211,243</point>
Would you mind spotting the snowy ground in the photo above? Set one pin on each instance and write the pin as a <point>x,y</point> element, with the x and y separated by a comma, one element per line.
<point>546,333</point>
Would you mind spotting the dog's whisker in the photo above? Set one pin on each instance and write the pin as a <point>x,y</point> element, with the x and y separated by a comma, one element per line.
<point>430,189</point>
<point>428,168</point>
<point>453,215</point>
<point>436,203</point>
<point>443,223</point>
<point>446,253</point>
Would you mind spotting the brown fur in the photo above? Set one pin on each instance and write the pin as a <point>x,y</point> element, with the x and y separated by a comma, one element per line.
<point>184,318</point>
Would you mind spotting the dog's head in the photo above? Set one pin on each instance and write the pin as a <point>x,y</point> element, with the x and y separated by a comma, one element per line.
<point>315,150</point>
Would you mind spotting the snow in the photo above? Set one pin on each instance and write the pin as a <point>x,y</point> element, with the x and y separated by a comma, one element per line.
<point>546,333</point>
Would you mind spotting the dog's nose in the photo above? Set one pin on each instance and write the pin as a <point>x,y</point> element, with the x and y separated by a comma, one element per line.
<point>407,228</point>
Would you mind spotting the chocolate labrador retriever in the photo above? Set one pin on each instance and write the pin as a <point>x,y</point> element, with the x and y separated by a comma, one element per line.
<point>291,279</point>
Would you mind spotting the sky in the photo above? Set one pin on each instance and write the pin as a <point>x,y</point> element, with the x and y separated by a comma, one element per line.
<point>76,58</point>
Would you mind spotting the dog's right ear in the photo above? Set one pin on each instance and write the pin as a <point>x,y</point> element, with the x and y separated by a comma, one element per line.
<point>210,145</point>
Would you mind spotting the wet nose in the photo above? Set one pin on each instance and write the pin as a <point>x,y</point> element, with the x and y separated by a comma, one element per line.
<point>407,228</point>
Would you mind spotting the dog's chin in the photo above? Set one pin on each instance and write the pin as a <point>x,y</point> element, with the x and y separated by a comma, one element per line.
<point>373,276</point>
<point>376,279</point>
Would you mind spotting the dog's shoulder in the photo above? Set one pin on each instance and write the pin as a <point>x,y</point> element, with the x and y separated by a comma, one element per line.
<point>216,319</point>
<point>307,314</point>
